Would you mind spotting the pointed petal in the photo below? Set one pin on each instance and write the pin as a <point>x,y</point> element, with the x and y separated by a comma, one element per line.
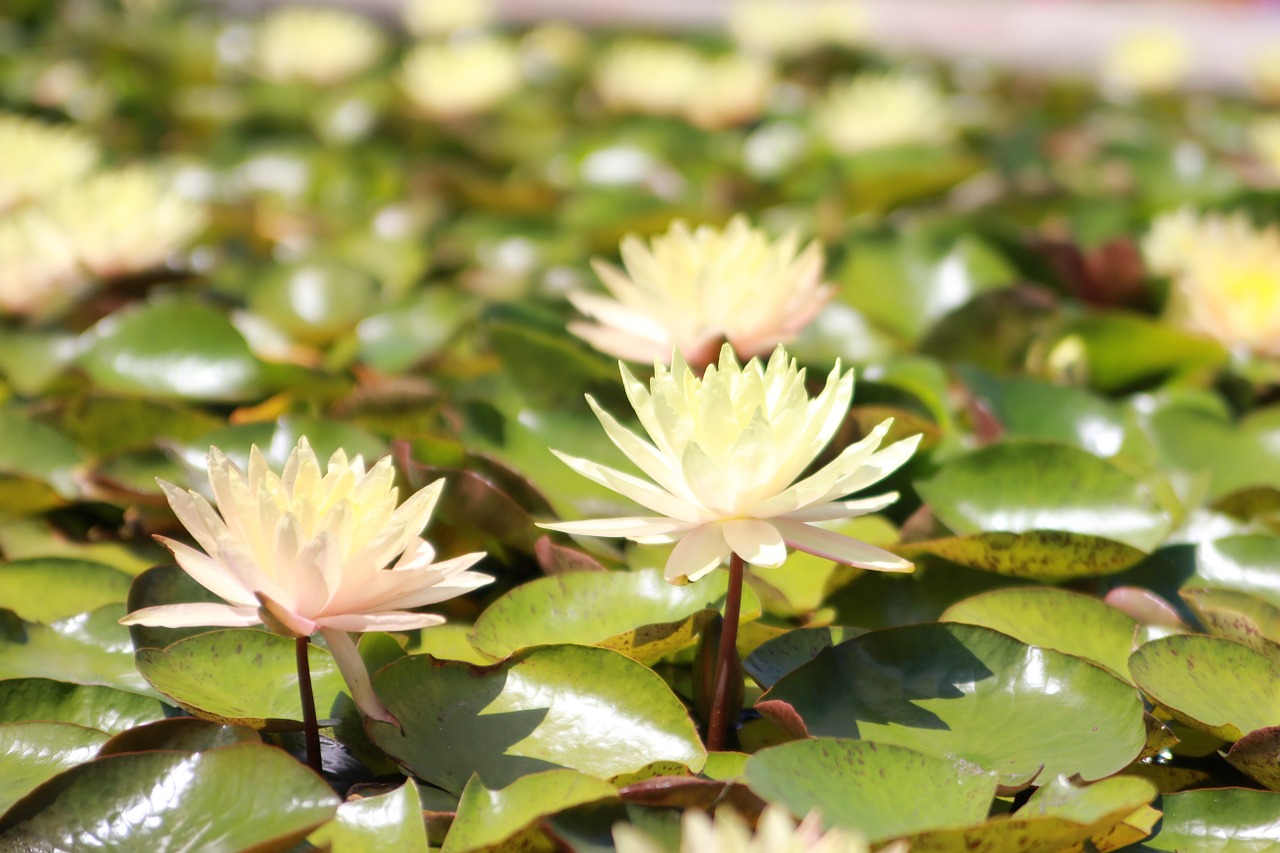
<point>281,620</point>
<point>818,486</point>
<point>842,549</point>
<point>698,553</point>
<point>625,527</point>
<point>193,615</point>
<point>842,509</point>
<point>876,468</point>
<point>758,542</point>
<point>644,493</point>
<point>659,467</point>
<point>390,620</point>
<point>218,578</point>
<point>356,674</point>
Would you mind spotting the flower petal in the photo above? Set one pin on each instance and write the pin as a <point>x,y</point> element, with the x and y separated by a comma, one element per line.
<point>390,620</point>
<point>217,577</point>
<point>843,509</point>
<point>698,553</point>
<point>842,549</point>
<point>629,527</point>
<point>659,467</point>
<point>758,542</point>
<point>356,674</point>
<point>644,493</point>
<point>194,614</point>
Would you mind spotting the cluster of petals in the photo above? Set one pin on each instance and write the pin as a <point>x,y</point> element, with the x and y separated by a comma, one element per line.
<point>776,832</point>
<point>724,458</point>
<point>691,290</point>
<point>882,110</point>
<point>1224,272</point>
<point>321,47</point>
<point>308,551</point>
<point>455,79</point>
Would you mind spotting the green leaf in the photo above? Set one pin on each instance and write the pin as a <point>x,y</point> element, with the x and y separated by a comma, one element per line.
<point>164,585</point>
<point>1218,820</point>
<point>862,786</point>
<point>494,819</point>
<point>239,797</point>
<point>773,659</point>
<point>1032,408</point>
<point>1257,755</point>
<point>1048,555</point>
<point>636,613</point>
<point>46,589</point>
<point>394,340</point>
<point>1248,563</point>
<point>589,709</point>
<point>103,425</point>
<point>1211,684</point>
<point>104,708</point>
<point>88,648</point>
<point>32,752</point>
<point>313,302</point>
<point>1239,616</point>
<point>31,449</point>
<point>24,539</point>
<point>391,821</point>
<point>937,688</point>
<point>1126,349</point>
<point>174,348</point>
<point>1022,486</point>
<point>239,675</point>
<point>183,734</point>
<point>1066,622</point>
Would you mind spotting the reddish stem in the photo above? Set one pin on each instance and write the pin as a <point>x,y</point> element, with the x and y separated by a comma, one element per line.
<point>310,725</point>
<point>726,659</point>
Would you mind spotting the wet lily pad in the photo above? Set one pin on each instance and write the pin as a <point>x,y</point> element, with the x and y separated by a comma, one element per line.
<point>1248,563</point>
<point>1218,819</point>
<point>390,821</point>
<point>773,659</point>
<point>32,752</point>
<point>104,708</point>
<point>88,648</point>
<point>1049,555</point>
<point>46,589</point>
<point>501,819</point>
<point>1238,616</point>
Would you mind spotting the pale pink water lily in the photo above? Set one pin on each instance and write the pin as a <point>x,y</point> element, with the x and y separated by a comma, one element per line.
<point>691,290</point>
<point>307,552</point>
<point>776,832</point>
<point>724,455</point>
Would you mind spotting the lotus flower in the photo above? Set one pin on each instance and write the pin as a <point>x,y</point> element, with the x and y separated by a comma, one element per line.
<point>776,832</point>
<point>307,552</point>
<point>39,158</point>
<point>454,80</point>
<point>724,455</point>
<point>322,47</point>
<point>1225,273</point>
<point>693,290</point>
<point>872,111</point>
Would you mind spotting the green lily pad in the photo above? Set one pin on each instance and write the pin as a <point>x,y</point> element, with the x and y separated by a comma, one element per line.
<point>1058,816</point>
<point>861,785</point>
<point>104,708</point>
<point>33,449</point>
<point>1257,755</point>
<point>1248,563</point>
<point>1196,440</point>
<point>1218,820</point>
<point>88,648</point>
<point>636,613</point>
<point>32,752</point>
<point>102,424</point>
<point>236,798</point>
<point>25,539</point>
<point>937,688</point>
<point>177,348</point>
<point>47,589</point>
<point>1049,555</point>
<point>1238,616</point>
<point>494,820</point>
<point>394,340</point>
<point>239,675</point>
<point>1022,486</point>
<point>314,302</point>
<point>182,734</point>
<point>1026,407</point>
<point>773,659</point>
<point>589,709</point>
<point>1211,684</point>
<point>390,821</point>
<point>31,360</point>
<point>1126,349</point>
<point>890,599</point>
<point>1066,622</point>
<point>167,584</point>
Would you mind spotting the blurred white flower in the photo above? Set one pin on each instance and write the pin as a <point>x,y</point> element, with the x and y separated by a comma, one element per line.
<point>457,79</point>
<point>322,47</point>
<point>776,832</point>
<point>307,551</point>
<point>731,90</point>
<point>124,221</point>
<point>693,290</point>
<point>39,274</point>
<point>425,18</point>
<point>1146,61</point>
<point>872,110</point>
<point>724,454</point>
<point>38,158</point>
<point>648,76</point>
<point>795,27</point>
<point>1264,141</point>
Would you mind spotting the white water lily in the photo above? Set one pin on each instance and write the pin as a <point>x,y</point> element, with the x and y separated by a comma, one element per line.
<point>776,832</point>
<point>724,454</point>
<point>322,47</point>
<point>691,290</point>
<point>458,79</point>
<point>791,28</point>
<point>874,110</point>
<point>307,551</point>
<point>39,274</point>
<point>442,17</point>
<point>39,158</point>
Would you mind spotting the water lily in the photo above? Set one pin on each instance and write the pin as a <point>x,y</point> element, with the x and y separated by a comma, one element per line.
<point>39,274</point>
<point>872,111</point>
<point>456,79</point>
<point>725,452</point>
<point>776,832</point>
<point>307,552</point>
<point>321,47</point>
<point>691,290</point>
<point>442,17</point>
<point>1143,61</point>
<point>39,158</point>
<point>788,28</point>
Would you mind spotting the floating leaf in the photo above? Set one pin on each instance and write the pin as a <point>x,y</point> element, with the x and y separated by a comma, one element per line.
<point>239,797</point>
<point>104,708</point>
<point>102,424</point>
<point>313,302</point>
<point>1126,349</point>
<point>1248,563</point>
<point>46,589</point>
<point>32,449</point>
<point>636,613</point>
<point>391,821</point>
<point>239,675</point>
<point>1231,820</point>
<point>1049,555</point>
<point>1021,486</point>
<point>773,659</point>
<point>32,752</point>
<point>183,734</point>
<point>1026,407</point>
<point>500,819</point>
<point>1066,622</point>
<point>1238,616</point>
<point>88,648</point>
<point>1211,684</point>
<point>1257,755</point>
<point>861,786</point>
<point>394,340</point>
<point>585,708</point>
<point>937,688</point>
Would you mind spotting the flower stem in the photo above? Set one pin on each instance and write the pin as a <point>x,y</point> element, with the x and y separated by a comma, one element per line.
<point>726,659</point>
<point>310,725</point>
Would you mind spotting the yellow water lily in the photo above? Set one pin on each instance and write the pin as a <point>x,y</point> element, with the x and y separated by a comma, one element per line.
<point>776,832</point>
<point>307,551</point>
<point>39,158</point>
<point>692,289</point>
<point>880,110</point>
<point>39,274</point>
<point>321,47</point>
<point>724,455</point>
<point>457,79</point>
<point>442,17</point>
<point>786,27</point>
